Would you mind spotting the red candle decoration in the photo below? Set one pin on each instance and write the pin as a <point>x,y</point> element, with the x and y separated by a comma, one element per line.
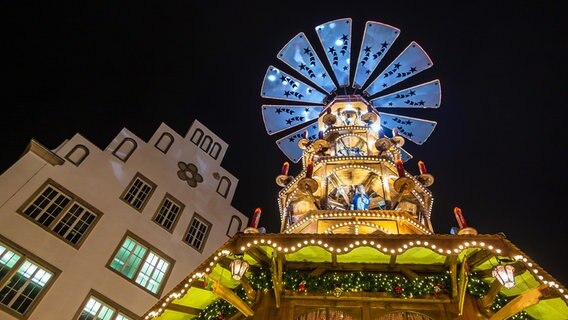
<point>255,218</point>
<point>394,132</point>
<point>459,217</point>
<point>310,169</point>
<point>285,167</point>
<point>400,168</point>
<point>422,167</point>
<point>305,134</point>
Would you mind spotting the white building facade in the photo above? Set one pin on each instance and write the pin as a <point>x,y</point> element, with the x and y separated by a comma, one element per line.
<point>93,234</point>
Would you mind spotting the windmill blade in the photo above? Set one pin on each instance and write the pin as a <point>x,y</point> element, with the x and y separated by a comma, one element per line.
<point>426,95</point>
<point>289,143</point>
<point>335,38</point>
<point>299,54</point>
<point>280,85</point>
<point>410,62</point>
<point>413,129</point>
<point>404,155</point>
<point>278,118</point>
<point>377,40</point>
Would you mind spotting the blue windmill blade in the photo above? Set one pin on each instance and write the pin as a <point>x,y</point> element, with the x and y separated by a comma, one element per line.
<point>377,40</point>
<point>278,118</point>
<point>280,85</point>
<point>426,95</point>
<point>410,62</point>
<point>289,143</point>
<point>413,129</point>
<point>335,38</point>
<point>404,155</point>
<point>299,54</point>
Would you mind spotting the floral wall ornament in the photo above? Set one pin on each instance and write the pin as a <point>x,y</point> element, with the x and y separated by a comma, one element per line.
<point>189,173</point>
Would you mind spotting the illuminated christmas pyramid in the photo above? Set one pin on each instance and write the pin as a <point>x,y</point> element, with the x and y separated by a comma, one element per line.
<point>356,239</point>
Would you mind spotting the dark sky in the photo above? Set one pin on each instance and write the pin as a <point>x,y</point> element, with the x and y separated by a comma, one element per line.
<point>496,151</point>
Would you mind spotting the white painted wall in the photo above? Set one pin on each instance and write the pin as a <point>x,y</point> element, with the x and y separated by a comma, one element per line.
<point>100,180</point>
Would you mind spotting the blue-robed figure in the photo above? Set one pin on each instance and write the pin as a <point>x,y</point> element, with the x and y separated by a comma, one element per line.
<point>360,200</point>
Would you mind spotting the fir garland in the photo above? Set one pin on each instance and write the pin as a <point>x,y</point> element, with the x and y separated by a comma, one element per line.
<point>336,283</point>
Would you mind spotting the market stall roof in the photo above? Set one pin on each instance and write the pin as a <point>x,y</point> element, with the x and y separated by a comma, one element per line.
<point>377,253</point>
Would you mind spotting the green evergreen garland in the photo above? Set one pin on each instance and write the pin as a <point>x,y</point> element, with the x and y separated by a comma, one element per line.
<point>364,281</point>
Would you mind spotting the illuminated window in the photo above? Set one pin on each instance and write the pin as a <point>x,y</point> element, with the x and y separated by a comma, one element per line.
<point>98,307</point>
<point>197,233</point>
<point>23,281</point>
<point>61,213</point>
<point>168,213</point>
<point>138,192</point>
<point>141,264</point>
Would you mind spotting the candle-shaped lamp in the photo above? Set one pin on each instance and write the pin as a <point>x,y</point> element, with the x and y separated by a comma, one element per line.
<point>305,135</point>
<point>320,134</point>
<point>394,132</point>
<point>310,169</point>
<point>400,168</point>
<point>285,167</point>
<point>422,167</point>
<point>255,218</point>
<point>459,217</point>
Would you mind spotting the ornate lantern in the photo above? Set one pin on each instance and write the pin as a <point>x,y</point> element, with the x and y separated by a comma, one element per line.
<point>505,275</point>
<point>238,267</point>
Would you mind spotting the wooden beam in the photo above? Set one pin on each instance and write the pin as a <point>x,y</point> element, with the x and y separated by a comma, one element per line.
<point>479,257</point>
<point>528,298</point>
<point>275,281</point>
<point>409,273</point>
<point>453,261</point>
<point>259,255</point>
<point>318,271</point>
<point>228,295</point>
<point>487,300</point>
<point>392,262</point>
<point>183,309</point>
<point>308,266</point>
<point>249,290</point>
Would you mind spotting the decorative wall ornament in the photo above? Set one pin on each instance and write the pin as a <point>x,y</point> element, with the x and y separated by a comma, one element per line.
<point>189,173</point>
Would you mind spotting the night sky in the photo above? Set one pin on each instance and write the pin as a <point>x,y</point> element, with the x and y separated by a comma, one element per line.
<point>496,151</point>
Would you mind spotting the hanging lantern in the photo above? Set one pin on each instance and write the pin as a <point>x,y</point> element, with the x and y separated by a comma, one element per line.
<point>505,275</point>
<point>238,268</point>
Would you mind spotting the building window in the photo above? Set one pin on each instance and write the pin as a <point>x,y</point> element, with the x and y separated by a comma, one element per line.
<point>77,154</point>
<point>196,137</point>
<point>168,212</point>
<point>99,307</point>
<point>165,142</point>
<point>206,143</point>
<point>56,210</point>
<point>141,264</point>
<point>215,150</point>
<point>197,233</point>
<point>23,280</point>
<point>224,186</point>
<point>125,149</point>
<point>138,192</point>
<point>234,226</point>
